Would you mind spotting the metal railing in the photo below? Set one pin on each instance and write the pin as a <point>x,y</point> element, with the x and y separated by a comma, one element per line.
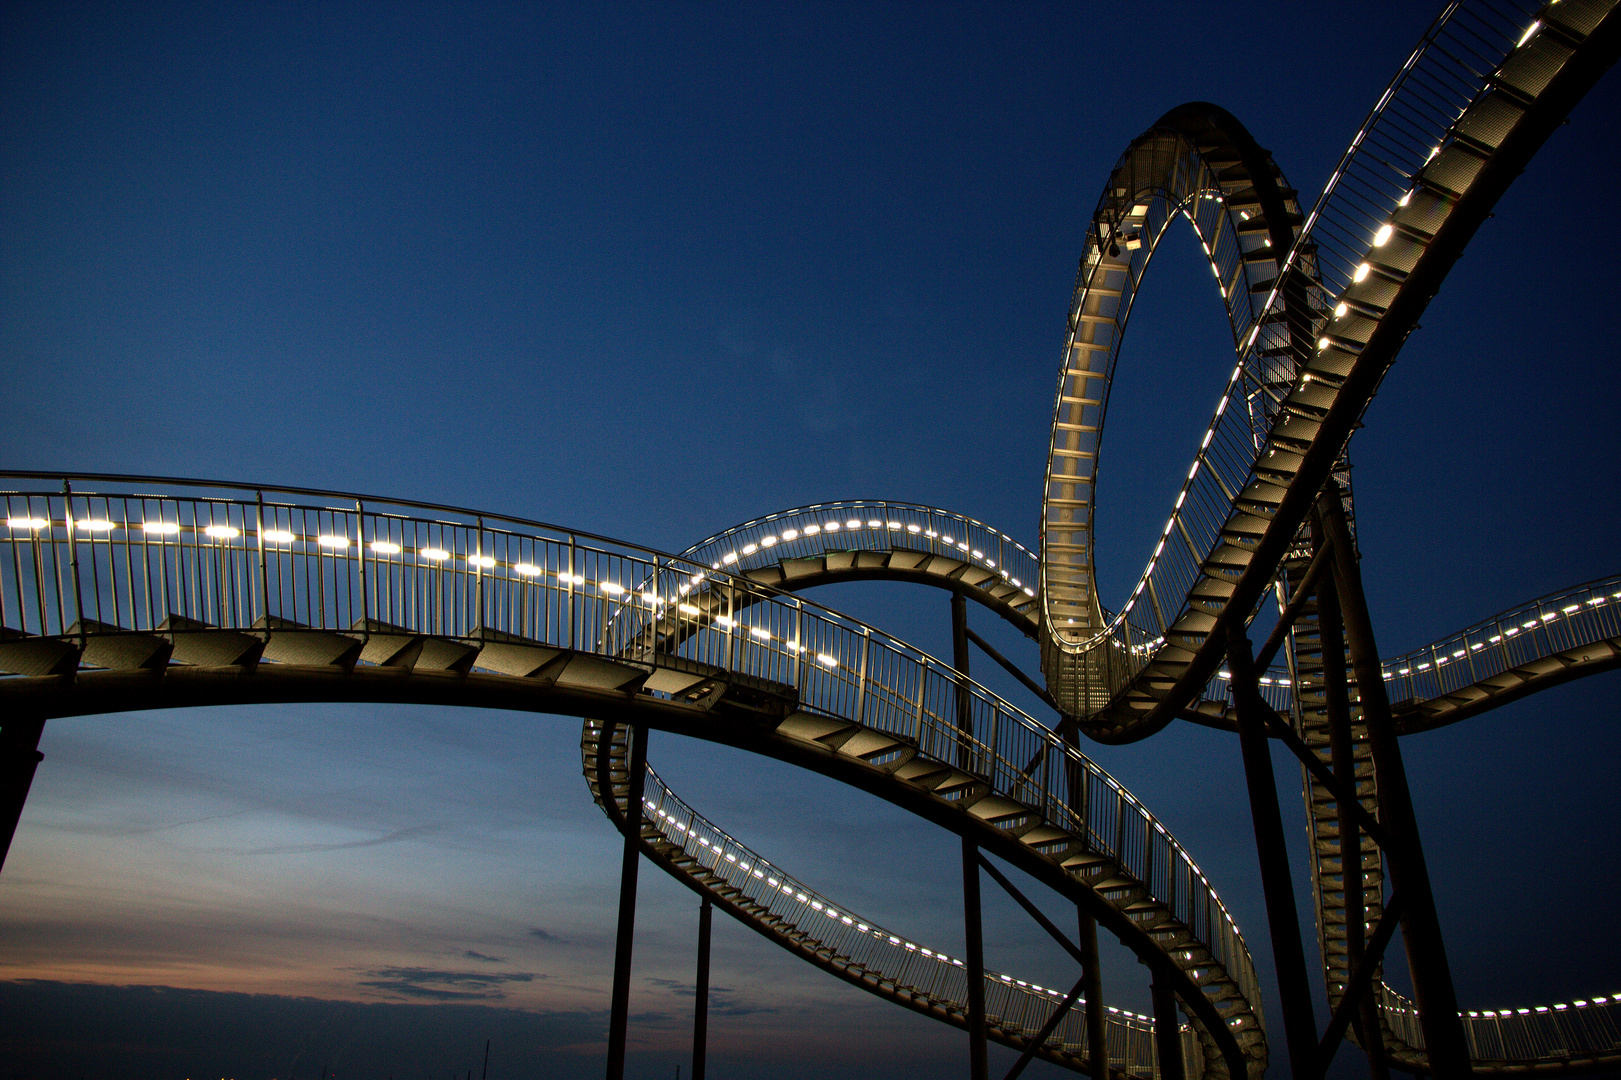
<point>1521,635</point>
<point>870,525</point>
<point>133,555</point>
<point>820,926</point>
<point>1568,1032</point>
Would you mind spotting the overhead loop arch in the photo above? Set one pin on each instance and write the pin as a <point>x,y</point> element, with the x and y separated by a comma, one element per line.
<point>1197,163</point>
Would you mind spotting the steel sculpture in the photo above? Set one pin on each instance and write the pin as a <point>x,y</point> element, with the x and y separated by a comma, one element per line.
<point>121,593</point>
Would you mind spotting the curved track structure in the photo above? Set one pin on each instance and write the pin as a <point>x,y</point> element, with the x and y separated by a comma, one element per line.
<point>1317,319</point>
<point>1471,105</point>
<point>122,594</point>
<point>794,916</point>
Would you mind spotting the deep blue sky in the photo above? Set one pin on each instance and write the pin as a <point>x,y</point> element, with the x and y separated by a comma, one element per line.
<point>652,270</point>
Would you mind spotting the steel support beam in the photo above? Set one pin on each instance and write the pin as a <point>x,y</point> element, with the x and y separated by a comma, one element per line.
<point>619,1012</point>
<point>973,926</point>
<point>700,1006</point>
<point>959,660</point>
<point>1167,1031</point>
<point>1421,925</point>
<point>1097,1027</point>
<point>978,1060</point>
<point>1046,1031</point>
<point>1012,669</point>
<point>1299,1026</point>
<point>19,757</point>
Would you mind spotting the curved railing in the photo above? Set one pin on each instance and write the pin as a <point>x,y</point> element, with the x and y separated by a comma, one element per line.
<point>1581,1034</point>
<point>1449,132</point>
<point>1546,627</point>
<point>870,525</point>
<point>148,560</point>
<point>857,949</point>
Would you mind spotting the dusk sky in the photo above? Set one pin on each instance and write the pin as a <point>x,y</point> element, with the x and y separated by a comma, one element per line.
<point>651,270</point>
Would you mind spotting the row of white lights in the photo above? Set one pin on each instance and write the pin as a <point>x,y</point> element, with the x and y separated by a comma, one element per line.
<point>1441,661</point>
<point>1546,617</point>
<point>1614,999</point>
<point>855,524</point>
<point>792,890</point>
<point>482,562</point>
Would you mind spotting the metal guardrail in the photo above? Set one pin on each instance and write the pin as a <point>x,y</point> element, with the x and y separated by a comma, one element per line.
<point>878,953</point>
<point>1567,1033</point>
<point>133,555</point>
<point>1521,635</point>
<point>870,525</point>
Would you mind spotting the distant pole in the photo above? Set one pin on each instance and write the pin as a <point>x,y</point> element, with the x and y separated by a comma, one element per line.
<point>700,1007</point>
<point>619,1014</point>
<point>484,1074</point>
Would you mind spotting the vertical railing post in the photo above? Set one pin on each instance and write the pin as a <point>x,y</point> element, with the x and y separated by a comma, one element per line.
<point>861,678</point>
<point>360,554</point>
<point>264,578</point>
<point>568,595</point>
<point>799,647</point>
<point>73,565</point>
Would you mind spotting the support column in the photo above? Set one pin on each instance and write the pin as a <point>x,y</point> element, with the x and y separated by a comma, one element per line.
<point>1420,923</point>
<point>978,1060</point>
<point>700,1008</point>
<point>1097,1028</point>
<point>19,757</point>
<point>619,1013</point>
<point>1300,1028</point>
<point>959,660</point>
<point>1167,1033</point>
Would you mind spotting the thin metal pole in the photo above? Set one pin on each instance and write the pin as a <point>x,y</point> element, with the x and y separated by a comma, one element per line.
<point>1300,1029</point>
<point>700,1008</point>
<point>978,1059</point>
<point>1167,1030</point>
<point>619,1014</point>
<point>1421,924</point>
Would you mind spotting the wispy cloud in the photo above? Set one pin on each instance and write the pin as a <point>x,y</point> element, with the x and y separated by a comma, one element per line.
<point>442,985</point>
<point>471,955</point>
<point>544,935</point>
<point>282,849</point>
<point>721,1002</point>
